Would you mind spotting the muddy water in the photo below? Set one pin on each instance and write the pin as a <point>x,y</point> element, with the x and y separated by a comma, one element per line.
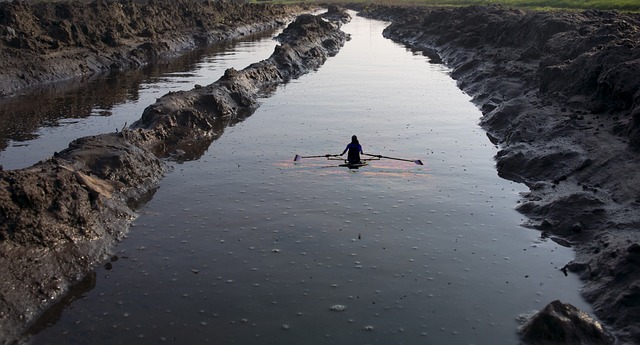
<point>245,246</point>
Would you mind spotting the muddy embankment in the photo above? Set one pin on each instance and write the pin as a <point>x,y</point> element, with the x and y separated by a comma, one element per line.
<point>45,42</point>
<point>60,217</point>
<point>560,97</point>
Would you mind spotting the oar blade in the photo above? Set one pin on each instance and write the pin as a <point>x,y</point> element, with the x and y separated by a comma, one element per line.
<point>297,158</point>
<point>419,162</point>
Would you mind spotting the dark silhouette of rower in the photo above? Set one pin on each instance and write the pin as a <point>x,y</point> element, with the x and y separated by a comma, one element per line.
<point>355,149</point>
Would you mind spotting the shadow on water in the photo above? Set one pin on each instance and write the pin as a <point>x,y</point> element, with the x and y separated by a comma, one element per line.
<point>194,149</point>
<point>54,313</point>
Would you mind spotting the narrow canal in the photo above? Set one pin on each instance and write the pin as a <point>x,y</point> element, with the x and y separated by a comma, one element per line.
<point>245,246</point>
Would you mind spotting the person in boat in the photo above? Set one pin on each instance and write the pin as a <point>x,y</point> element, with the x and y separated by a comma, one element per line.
<point>355,149</point>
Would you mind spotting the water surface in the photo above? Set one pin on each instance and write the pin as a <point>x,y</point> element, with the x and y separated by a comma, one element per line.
<point>34,125</point>
<point>245,246</point>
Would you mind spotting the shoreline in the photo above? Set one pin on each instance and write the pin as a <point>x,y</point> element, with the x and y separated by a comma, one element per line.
<point>558,93</point>
<point>558,97</point>
<point>44,42</point>
<point>63,215</point>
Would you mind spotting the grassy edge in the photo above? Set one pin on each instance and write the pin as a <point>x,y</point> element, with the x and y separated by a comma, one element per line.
<point>627,6</point>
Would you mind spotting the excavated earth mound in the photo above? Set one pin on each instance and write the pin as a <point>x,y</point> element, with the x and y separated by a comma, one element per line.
<point>46,42</point>
<point>60,217</point>
<point>560,97</point>
<point>559,92</point>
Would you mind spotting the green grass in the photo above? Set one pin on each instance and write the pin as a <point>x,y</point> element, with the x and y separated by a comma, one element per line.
<point>619,5</point>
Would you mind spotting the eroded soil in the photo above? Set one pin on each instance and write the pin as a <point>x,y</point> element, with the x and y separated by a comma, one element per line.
<point>60,217</point>
<point>560,96</point>
<point>44,42</point>
<point>559,93</point>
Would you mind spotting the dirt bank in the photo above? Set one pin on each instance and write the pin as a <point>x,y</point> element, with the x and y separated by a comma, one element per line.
<point>51,41</point>
<point>559,93</point>
<point>60,217</point>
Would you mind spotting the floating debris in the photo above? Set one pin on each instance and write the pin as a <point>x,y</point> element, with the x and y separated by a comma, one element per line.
<point>338,307</point>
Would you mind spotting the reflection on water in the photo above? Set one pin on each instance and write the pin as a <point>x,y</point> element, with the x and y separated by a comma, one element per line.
<point>52,315</point>
<point>35,125</point>
<point>375,169</point>
<point>246,246</point>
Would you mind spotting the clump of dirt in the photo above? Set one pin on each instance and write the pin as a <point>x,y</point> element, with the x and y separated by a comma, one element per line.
<point>60,217</point>
<point>50,41</point>
<point>181,121</point>
<point>561,323</point>
<point>559,96</point>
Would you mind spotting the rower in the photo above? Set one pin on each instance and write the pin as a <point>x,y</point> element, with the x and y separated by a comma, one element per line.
<point>355,149</point>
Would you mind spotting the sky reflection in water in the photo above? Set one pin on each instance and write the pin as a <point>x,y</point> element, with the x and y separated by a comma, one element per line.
<point>245,246</point>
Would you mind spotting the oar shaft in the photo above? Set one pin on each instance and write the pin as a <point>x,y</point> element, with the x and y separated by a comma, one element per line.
<point>319,156</point>
<point>298,157</point>
<point>417,161</point>
<point>398,159</point>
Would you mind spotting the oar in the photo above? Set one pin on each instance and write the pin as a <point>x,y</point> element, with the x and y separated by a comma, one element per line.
<point>298,157</point>
<point>417,161</point>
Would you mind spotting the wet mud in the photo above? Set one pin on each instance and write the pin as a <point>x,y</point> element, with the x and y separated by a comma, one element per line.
<point>45,42</point>
<point>60,217</point>
<point>21,116</point>
<point>558,92</point>
<point>559,97</point>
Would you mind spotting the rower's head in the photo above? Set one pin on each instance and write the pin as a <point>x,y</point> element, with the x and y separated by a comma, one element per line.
<point>354,139</point>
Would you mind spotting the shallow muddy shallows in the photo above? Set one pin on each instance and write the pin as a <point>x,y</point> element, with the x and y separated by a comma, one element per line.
<point>245,246</point>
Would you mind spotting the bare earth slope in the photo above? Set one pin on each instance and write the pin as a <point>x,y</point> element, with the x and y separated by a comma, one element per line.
<point>560,96</point>
<point>51,41</point>
<point>60,217</point>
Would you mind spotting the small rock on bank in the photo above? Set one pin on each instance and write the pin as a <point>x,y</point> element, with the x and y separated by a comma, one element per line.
<point>562,323</point>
